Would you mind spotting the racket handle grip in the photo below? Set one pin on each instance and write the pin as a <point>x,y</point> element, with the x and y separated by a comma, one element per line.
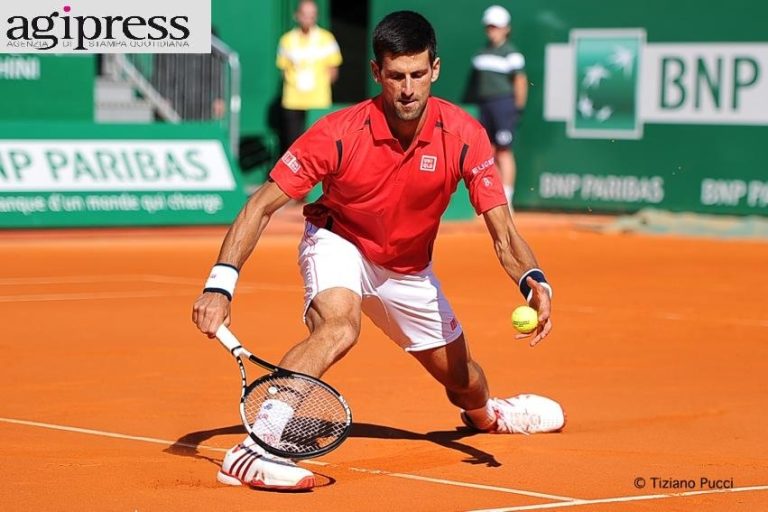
<point>229,341</point>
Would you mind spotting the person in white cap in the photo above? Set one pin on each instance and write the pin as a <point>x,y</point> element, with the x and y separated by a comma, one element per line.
<point>501,90</point>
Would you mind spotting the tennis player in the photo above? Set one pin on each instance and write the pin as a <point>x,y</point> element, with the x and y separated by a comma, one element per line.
<point>388,167</point>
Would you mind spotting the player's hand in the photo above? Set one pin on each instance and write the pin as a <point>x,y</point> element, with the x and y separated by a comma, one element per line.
<point>541,302</point>
<point>210,311</point>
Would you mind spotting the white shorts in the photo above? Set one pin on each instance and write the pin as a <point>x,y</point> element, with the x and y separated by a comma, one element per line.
<point>410,308</point>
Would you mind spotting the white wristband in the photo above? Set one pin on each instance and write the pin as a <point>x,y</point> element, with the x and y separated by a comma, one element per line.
<point>223,279</point>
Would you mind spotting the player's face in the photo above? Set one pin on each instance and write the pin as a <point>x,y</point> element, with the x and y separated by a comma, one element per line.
<point>406,81</point>
<point>496,35</point>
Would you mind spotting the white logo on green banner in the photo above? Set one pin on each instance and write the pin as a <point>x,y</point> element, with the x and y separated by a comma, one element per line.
<point>609,83</point>
<point>607,71</point>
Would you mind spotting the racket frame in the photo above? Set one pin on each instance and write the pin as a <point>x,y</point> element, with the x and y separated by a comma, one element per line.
<point>233,345</point>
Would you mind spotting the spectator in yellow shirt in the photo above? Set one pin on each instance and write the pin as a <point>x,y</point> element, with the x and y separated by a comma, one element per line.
<point>309,58</point>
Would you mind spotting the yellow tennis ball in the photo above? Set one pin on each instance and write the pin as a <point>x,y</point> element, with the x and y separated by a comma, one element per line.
<point>525,319</point>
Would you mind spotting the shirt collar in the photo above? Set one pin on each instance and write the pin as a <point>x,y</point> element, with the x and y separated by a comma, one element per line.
<point>310,34</point>
<point>433,113</point>
<point>380,128</point>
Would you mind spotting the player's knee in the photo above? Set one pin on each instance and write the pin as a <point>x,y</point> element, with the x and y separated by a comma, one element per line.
<point>342,334</point>
<point>347,333</point>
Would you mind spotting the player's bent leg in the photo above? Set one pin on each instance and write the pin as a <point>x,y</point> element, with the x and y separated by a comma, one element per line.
<point>333,318</point>
<point>432,335</point>
<point>466,387</point>
<point>332,271</point>
<point>452,366</point>
<point>252,466</point>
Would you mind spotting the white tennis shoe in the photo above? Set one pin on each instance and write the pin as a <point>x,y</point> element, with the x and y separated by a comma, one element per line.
<point>523,414</point>
<point>253,466</point>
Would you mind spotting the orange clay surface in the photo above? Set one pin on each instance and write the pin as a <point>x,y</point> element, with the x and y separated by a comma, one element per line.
<point>111,400</point>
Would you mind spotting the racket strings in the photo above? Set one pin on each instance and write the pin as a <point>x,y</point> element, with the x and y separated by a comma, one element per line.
<point>295,415</point>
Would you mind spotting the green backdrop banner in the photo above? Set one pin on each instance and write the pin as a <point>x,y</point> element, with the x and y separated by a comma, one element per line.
<point>653,103</point>
<point>56,87</point>
<point>115,176</point>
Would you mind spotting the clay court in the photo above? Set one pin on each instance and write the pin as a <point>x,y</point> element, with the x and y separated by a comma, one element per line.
<point>111,400</point>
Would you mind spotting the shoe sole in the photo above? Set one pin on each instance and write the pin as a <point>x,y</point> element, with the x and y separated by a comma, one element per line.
<point>306,483</point>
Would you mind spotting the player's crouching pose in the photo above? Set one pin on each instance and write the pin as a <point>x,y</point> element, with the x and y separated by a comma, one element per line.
<point>388,167</point>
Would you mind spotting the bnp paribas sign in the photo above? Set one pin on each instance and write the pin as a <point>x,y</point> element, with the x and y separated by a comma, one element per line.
<point>609,83</point>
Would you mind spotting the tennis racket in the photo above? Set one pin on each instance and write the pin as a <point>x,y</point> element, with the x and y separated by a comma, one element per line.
<point>289,414</point>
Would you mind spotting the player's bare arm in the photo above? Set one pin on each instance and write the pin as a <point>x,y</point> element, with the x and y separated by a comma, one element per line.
<point>211,309</point>
<point>516,258</point>
<point>520,84</point>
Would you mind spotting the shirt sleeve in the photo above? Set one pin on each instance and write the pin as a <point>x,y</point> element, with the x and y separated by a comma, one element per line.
<point>481,175</point>
<point>333,59</point>
<point>515,62</point>
<point>282,54</point>
<point>311,158</point>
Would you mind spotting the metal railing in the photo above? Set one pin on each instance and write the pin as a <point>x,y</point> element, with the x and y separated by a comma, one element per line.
<point>187,86</point>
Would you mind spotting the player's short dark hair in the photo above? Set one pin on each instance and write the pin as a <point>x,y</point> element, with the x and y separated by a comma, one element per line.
<point>404,33</point>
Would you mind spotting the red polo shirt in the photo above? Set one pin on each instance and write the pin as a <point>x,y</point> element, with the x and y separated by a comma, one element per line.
<point>386,201</point>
